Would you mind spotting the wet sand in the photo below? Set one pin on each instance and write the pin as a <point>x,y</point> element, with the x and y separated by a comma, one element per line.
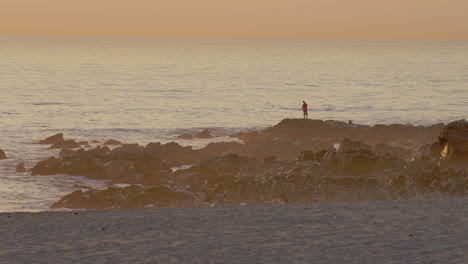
<point>415,231</point>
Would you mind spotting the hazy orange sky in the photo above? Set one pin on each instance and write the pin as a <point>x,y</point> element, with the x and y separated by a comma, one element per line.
<point>407,19</point>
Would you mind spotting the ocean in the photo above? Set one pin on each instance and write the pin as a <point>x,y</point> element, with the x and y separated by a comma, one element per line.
<point>141,90</point>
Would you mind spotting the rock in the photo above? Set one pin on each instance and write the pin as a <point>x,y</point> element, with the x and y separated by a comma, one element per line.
<point>399,152</point>
<point>67,153</point>
<point>2,155</point>
<point>112,142</point>
<point>131,197</point>
<point>123,165</point>
<point>20,168</point>
<point>454,142</point>
<point>356,158</point>
<point>52,139</point>
<point>175,154</point>
<point>335,131</point>
<point>128,148</point>
<point>270,159</point>
<point>435,149</point>
<point>66,144</point>
<point>204,134</point>
<point>46,167</point>
<point>307,155</point>
<point>83,143</point>
<point>185,136</point>
<point>320,154</point>
<point>347,144</point>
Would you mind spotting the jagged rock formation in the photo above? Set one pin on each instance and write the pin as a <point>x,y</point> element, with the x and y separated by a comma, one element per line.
<point>454,142</point>
<point>274,166</point>
<point>303,129</point>
<point>101,163</point>
<point>52,139</point>
<point>131,197</point>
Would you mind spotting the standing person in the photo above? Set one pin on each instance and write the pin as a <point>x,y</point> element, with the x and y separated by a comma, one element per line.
<point>304,109</point>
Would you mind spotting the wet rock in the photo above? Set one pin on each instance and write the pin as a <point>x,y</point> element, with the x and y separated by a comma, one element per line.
<point>399,152</point>
<point>112,142</point>
<point>204,134</point>
<point>306,155</point>
<point>20,168</point>
<point>67,153</point>
<point>454,142</point>
<point>46,167</point>
<point>175,154</point>
<point>435,149</point>
<point>335,131</point>
<point>66,144</point>
<point>52,139</point>
<point>99,163</point>
<point>355,157</point>
<point>128,148</point>
<point>2,155</point>
<point>131,197</point>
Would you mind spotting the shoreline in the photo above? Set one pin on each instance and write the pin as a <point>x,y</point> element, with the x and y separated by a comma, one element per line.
<point>416,231</point>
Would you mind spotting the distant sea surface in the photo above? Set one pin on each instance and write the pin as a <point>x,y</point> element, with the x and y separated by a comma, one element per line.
<point>141,90</point>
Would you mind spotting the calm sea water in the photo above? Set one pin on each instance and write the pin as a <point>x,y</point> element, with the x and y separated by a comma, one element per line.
<point>142,90</point>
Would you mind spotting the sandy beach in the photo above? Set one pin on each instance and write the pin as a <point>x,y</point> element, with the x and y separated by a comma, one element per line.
<point>410,231</point>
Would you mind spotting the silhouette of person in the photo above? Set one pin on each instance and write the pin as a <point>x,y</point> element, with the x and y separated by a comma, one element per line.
<point>304,109</point>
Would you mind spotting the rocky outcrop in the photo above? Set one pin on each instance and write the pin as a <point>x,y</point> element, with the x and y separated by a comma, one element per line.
<point>131,197</point>
<point>20,168</point>
<point>454,143</point>
<point>303,129</point>
<point>65,144</point>
<point>2,155</point>
<point>204,134</point>
<point>269,169</point>
<point>355,157</point>
<point>52,139</point>
<point>307,155</point>
<point>112,142</point>
<point>124,166</point>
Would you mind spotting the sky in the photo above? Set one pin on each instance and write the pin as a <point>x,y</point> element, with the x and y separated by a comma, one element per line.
<point>316,19</point>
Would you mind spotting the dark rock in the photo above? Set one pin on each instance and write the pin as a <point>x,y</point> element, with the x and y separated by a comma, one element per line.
<point>67,153</point>
<point>335,131</point>
<point>52,139</point>
<point>354,157</point>
<point>46,167</point>
<point>270,159</point>
<point>454,142</point>
<point>399,152</point>
<point>204,134</point>
<point>66,144</point>
<point>307,155</point>
<point>320,154</point>
<point>124,165</point>
<point>185,136</point>
<point>112,142</point>
<point>20,168</point>
<point>2,155</point>
<point>435,149</point>
<point>131,197</point>
<point>83,143</point>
